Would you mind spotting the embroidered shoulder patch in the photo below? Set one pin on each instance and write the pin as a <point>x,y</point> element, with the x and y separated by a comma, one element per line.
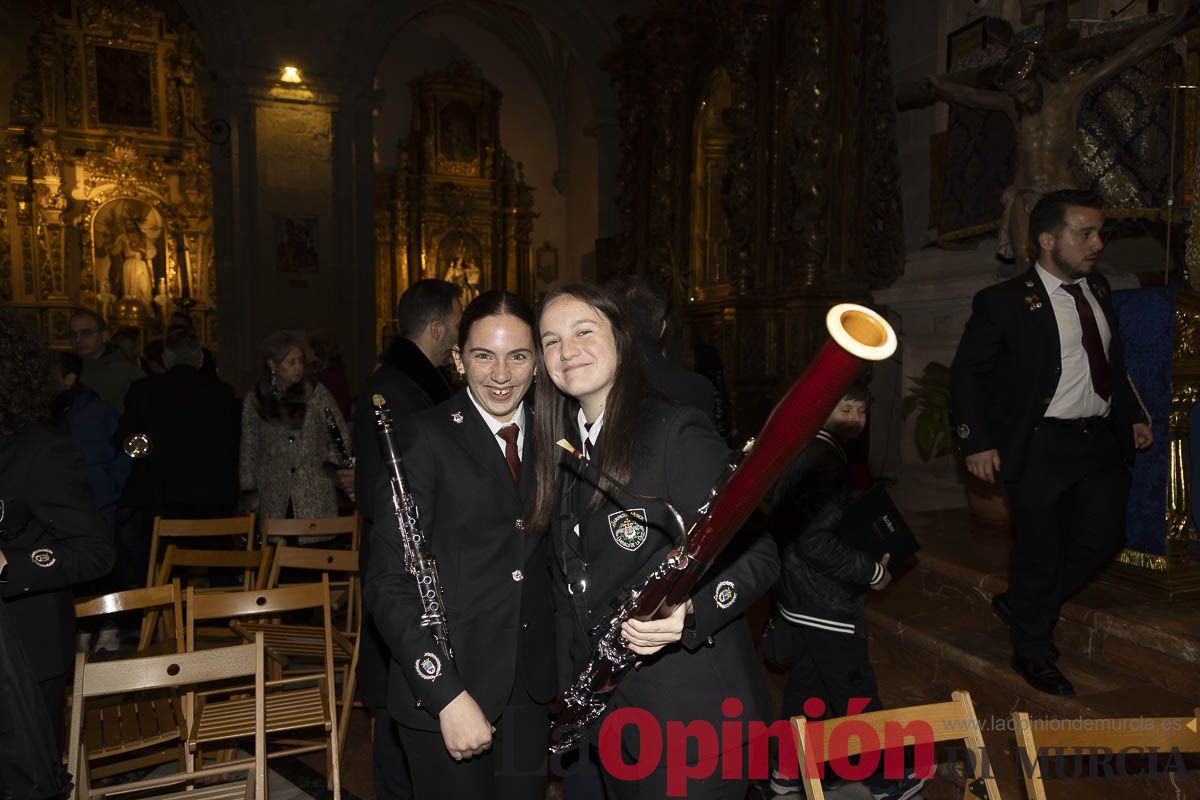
<point>963,431</point>
<point>429,666</point>
<point>628,528</point>
<point>43,557</point>
<point>457,417</point>
<point>725,594</point>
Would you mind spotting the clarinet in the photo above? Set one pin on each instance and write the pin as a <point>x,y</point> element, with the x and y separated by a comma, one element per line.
<point>345,460</point>
<point>857,335</point>
<point>418,560</point>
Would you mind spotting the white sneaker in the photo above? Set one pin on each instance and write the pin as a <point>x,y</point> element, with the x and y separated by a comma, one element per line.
<point>109,640</point>
<point>83,642</point>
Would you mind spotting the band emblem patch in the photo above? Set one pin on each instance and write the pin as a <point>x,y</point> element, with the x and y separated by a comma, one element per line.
<point>43,557</point>
<point>725,594</point>
<point>429,666</point>
<point>628,528</point>
<point>963,431</point>
<point>457,417</point>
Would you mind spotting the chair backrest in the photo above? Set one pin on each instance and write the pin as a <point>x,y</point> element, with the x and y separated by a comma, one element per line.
<point>192,528</point>
<point>255,564</point>
<point>927,724</point>
<point>260,603</point>
<point>348,527</point>
<point>192,670</point>
<point>1087,736</point>
<point>153,600</point>
<point>341,566</point>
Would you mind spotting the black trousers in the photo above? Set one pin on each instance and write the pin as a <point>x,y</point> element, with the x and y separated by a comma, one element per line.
<point>390,764</point>
<point>515,768</point>
<point>1068,523</point>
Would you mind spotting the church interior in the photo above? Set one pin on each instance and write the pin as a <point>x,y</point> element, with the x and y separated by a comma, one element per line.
<point>256,166</point>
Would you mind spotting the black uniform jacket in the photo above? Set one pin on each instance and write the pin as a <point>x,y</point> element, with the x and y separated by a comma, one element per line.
<point>409,383</point>
<point>677,455</point>
<point>1008,365</point>
<point>823,581</point>
<point>192,419</point>
<point>53,539</point>
<point>494,571</point>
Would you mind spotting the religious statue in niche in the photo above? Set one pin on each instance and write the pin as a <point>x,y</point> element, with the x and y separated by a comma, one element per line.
<point>1040,88</point>
<point>458,133</point>
<point>129,247</point>
<point>459,259</point>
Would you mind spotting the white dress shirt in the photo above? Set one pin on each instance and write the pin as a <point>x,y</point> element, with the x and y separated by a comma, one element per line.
<point>1074,397</point>
<point>494,425</point>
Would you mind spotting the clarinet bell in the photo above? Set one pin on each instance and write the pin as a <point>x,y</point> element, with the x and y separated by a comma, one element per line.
<point>138,445</point>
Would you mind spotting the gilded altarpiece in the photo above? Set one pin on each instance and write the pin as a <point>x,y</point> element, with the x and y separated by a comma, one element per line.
<point>759,173</point>
<point>457,207</point>
<point>106,200</point>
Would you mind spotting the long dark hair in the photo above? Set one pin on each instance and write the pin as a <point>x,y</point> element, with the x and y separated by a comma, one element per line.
<point>557,411</point>
<point>26,375</point>
<point>494,303</point>
<point>289,406</point>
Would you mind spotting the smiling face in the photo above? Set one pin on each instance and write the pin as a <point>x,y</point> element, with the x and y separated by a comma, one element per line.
<point>291,369</point>
<point>580,352</point>
<point>497,363</point>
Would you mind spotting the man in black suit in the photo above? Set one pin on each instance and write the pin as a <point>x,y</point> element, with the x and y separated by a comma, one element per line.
<point>647,308</point>
<point>409,379</point>
<point>1042,400</point>
<point>51,537</point>
<point>191,417</point>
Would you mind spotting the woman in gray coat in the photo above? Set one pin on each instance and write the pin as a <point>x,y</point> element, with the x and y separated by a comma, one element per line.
<point>288,456</point>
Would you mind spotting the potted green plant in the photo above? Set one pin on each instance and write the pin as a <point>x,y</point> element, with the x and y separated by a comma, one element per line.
<point>934,437</point>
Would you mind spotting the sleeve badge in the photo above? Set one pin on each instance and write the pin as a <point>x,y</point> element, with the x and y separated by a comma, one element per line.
<point>457,417</point>
<point>628,528</point>
<point>43,557</point>
<point>725,594</point>
<point>964,432</point>
<point>429,666</point>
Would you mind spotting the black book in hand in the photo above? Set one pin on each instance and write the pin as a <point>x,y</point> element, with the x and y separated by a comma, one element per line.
<point>873,524</point>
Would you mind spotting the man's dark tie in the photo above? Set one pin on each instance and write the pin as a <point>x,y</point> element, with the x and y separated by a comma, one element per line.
<point>1092,343</point>
<point>509,434</point>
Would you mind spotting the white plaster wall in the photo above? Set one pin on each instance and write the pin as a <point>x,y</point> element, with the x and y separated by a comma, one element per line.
<point>295,179</point>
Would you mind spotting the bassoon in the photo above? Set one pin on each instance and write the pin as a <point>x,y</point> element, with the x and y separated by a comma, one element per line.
<point>857,335</point>
<point>418,558</point>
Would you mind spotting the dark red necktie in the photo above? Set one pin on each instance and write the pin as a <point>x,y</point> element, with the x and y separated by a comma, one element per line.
<point>509,434</point>
<point>1092,343</point>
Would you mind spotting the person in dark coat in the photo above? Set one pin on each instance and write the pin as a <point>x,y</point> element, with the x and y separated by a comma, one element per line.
<point>1042,401</point>
<point>819,629</point>
<point>409,379</point>
<point>51,537</point>
<point>647,308</point>
<point>92,423</point>
<point>475,725</point>
<point>605,538</point>
<point>191,418</point>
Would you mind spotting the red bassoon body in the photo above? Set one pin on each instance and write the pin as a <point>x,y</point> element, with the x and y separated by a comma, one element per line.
<point>857,335</point>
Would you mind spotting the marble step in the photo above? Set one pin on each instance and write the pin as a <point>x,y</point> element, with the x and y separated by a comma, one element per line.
<point>968,564</point>
<point>936,637</point>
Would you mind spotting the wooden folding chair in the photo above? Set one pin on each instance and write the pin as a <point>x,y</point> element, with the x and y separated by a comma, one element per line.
<point>950,721</point>
<point>1166,734</point>
<point>291,705</point>
<point>345,530</point>
<point>170,673</point>
<point>192,528</point>
<point>157,736</point>
<point>254,564</point>
<point>298,645</point>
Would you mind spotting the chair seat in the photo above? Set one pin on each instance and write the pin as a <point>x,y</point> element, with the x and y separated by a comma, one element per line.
<point>229,790</point>
<point>290,710</point>
<point>300,642</point>
<point>121,728</point>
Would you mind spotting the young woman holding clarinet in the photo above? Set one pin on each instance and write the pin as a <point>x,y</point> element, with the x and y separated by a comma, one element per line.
<point>474,722</point>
